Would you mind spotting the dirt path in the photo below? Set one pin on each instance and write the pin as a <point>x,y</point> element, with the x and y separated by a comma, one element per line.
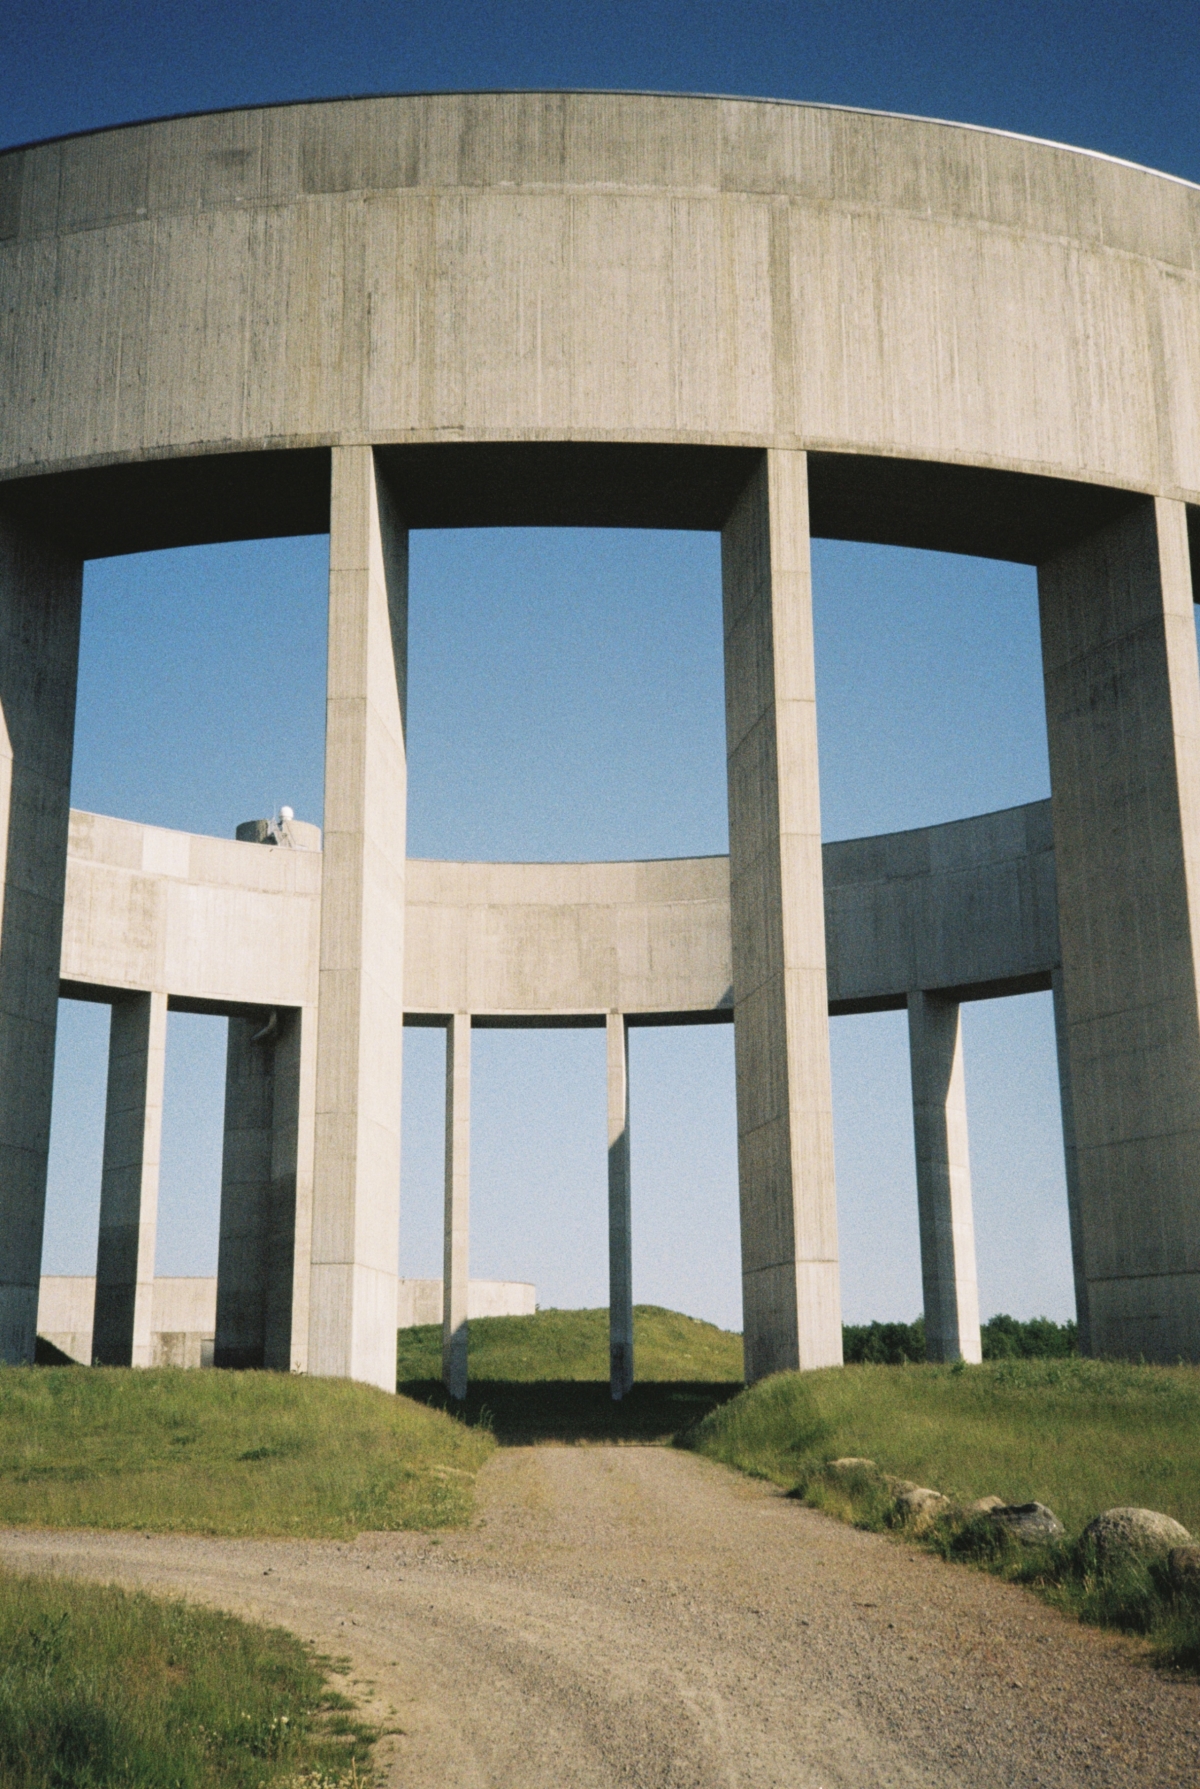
<point>631,1615</point>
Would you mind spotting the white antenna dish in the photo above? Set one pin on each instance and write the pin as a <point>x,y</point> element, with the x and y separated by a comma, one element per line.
<point>286,814</point>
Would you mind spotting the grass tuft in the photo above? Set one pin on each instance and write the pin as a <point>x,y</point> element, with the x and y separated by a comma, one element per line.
<point>101,1689</point>
<point>226,1453</point>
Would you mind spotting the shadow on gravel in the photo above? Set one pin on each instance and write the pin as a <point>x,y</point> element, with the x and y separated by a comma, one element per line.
<point>521,1411</point>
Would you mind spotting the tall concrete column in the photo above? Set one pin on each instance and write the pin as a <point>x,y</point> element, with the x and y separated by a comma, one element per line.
<point>124,1309</point>
<point>943,1180</point>
<point>1123,723</point>
<point>356,1176</point>
<point>620,1230</point>
<point>41,587</point>
<point>790,1294</point>
<point>1070,1160</point>
<point>257,1249</point>
<point>456,1245</point>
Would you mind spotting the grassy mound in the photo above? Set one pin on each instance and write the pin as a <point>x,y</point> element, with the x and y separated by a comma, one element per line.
<point>545,1377</point>
<point>226,1453</point>
<point>574,1345</point>
<point>1079,1435</point>
<point>100,1688</point>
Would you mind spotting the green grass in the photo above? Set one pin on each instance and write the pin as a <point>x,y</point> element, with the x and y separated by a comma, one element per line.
<point>226,1453</point>
<point>100,1689</point>
<point>1079,1435</point>
<point>545,1377</point>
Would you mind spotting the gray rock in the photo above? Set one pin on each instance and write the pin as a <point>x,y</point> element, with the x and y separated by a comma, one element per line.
<point>983,1506</point>
<point>1183,1563</point>
<point>1027,1521</point>
<point>920,1506</point>
<point>851,1464</point>
<point>1134,1531</point>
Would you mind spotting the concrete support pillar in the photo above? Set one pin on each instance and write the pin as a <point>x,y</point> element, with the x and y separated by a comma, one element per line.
<point>356,1180</point>
<point>286,1345</point>
<point>124,1309</point>
<point>620,1236</point>
<point>456,1248</point>
<point>257,1250</point>
<point>1070,1162</point>
<point>245,1195</point>
<point>41,587</point>
<point>1123,724</point>
<point>943,1180</point>
<point>791,1298</point>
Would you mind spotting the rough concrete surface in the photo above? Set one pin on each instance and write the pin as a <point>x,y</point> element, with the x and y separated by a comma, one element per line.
<point>630,1615</point>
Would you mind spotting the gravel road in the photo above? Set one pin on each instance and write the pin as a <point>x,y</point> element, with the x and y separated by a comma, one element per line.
<point>632,1615</point>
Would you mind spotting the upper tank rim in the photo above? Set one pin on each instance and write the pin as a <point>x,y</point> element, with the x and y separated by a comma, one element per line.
<point>747,99</point>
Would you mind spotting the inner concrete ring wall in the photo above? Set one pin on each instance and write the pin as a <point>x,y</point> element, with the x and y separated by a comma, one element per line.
<point>778,321</point>
<point>963,911</point>
<point>220,925</point>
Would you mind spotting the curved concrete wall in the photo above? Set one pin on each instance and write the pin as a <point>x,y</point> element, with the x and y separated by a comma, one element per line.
<point>598,266</point>
<point>966,908</point>
<point>207,921</point>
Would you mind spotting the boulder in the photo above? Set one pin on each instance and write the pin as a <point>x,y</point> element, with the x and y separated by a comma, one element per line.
<point>983,1506</point>
<point>1183,1563</point>
<point>920,1507</point>
<point>1134,1531</point>
<point>851,1464</point>
<point>1028,1522</point>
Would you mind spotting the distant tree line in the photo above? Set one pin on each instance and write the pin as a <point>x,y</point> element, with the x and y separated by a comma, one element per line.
<point>1004,1338</point>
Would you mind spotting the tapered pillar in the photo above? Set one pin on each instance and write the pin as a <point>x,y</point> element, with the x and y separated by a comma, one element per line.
<point>1070,1162</point>
<point>40,590</point>
<point>124,1310</point>
<point>943,1180</point>
<point>620,1233</point>
<point>1123,725</point>
<point>356,1179</point>
<point>790,1295</point>
<point>457,1235</point>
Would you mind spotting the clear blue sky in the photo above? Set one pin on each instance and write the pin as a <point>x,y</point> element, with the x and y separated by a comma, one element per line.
<point>566,689</point>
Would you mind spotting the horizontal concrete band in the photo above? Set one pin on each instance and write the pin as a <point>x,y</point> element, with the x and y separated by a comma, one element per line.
<point>549,267</point>
<point>224,926</point>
